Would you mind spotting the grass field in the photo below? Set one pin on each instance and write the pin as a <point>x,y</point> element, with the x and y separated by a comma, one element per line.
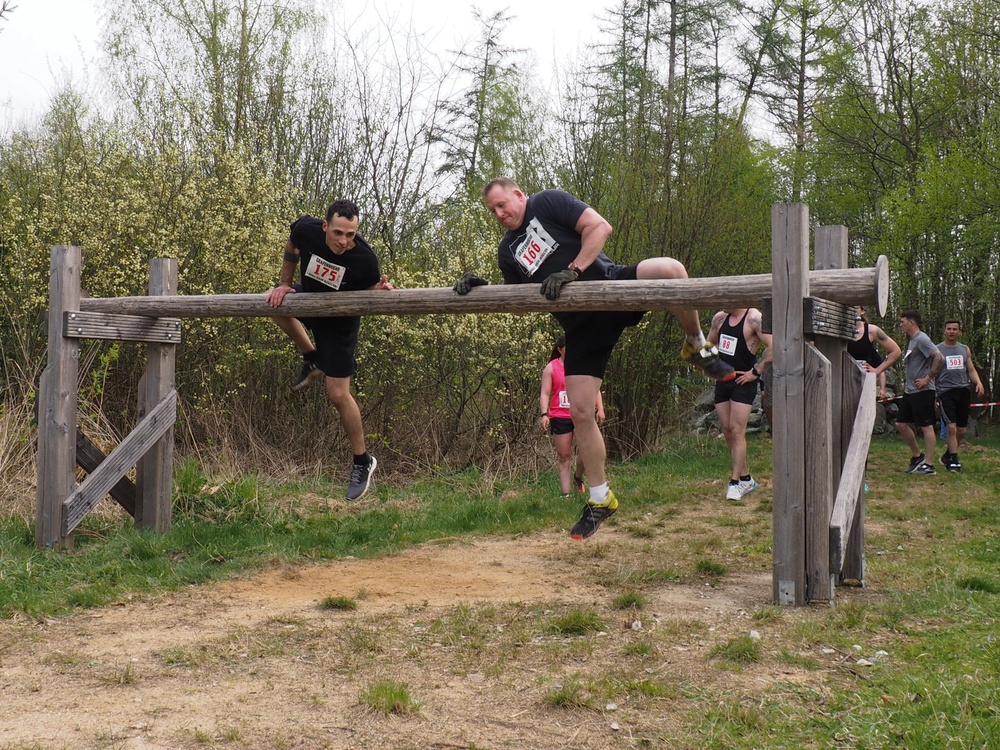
<point>909,661</point>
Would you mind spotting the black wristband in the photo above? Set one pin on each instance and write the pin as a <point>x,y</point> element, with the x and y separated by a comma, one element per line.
<point>291,258</point>
<point>754,371</point>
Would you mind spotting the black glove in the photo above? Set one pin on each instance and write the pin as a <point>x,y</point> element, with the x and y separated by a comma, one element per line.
<point>553,285</point>
<point>464,285</point>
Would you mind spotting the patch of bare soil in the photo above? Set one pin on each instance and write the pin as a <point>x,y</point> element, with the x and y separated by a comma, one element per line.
<point>258,664</point>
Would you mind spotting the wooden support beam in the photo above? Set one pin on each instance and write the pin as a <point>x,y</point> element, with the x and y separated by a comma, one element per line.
<point>154,470</point>
<point>851,286</point>
<point>83,499</point>
<point>852,479</point>
<point>790,260</point>
<point>89,457</point>
<point>57,396</point>
<point>88,325</point>
<point>819,429</point>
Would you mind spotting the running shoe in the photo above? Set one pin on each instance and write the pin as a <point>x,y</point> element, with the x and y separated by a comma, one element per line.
<point>747,486</point>
<point>579,485</point>
<point>945,459</point>
<point>954,465</point>
<point>707,360</point>
<point>307,374</point>
<point>593,516</point>
<point>925,469</point>
<point>733,491</point>
<point>361,479</point>
<point>914,463</point>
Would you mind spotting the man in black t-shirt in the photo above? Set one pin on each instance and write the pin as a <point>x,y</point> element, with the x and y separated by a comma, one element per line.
<point>332,257</point>
<point>554,238</point>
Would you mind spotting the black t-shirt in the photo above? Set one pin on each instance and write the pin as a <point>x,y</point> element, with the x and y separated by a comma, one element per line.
<point>322,270</point>
<point>547,241</point>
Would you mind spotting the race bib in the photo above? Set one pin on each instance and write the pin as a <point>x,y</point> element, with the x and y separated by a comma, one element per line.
<point>727,344</point>
<point>536,246</point>
<point>563,400</point>
<point>955,362</point>
<point>325,272</point>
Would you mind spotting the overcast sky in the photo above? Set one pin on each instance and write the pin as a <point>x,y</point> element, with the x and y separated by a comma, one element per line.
<point>44,43</point>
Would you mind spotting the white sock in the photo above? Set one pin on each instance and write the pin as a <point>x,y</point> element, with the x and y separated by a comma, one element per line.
<point>696,340</point>
<point>599,494</point>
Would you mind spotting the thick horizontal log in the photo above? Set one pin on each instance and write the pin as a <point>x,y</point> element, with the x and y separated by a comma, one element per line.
<point>850,286</point>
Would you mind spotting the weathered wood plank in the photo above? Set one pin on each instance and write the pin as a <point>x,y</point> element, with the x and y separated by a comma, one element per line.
<point>154,471</point>
<point>819,473</point>
<point>83,499</point>
<point>853,476</point>
<point>790,259</point>
<point>89,456</point>
<point>113,327</point>
<point>852,286</point>
<point>854,389</point>
<point>57,395</point>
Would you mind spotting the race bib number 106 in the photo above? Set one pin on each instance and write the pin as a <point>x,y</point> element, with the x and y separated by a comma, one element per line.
<point>325,272</point>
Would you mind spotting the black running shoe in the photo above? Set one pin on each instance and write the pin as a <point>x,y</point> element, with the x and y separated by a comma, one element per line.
<point>307,374</point>
<point>925,469</point>
<point>361,479</point>
<point>914,463</point>
<point>593,516</point>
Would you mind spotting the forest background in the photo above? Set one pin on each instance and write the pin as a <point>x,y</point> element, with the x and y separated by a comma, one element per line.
<point>230,118</point>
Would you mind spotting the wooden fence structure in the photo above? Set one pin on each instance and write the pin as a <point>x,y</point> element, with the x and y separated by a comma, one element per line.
<point>823,406</point>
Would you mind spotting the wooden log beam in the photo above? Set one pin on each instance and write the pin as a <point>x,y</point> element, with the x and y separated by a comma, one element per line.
<point>849,286</point>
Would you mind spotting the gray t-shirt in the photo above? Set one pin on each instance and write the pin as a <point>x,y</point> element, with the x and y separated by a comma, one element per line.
<point>954,374</point>
<point>918,357</point>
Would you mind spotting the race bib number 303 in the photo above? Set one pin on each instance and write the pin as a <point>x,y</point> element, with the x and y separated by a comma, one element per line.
<point>325,272</point>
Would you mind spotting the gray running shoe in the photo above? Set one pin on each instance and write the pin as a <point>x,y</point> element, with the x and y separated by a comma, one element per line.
<point>361,479</point>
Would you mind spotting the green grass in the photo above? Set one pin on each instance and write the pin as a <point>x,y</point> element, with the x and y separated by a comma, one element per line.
<point>910,661</point>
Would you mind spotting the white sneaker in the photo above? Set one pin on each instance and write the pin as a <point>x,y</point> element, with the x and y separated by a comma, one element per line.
<point>733,492</point>
<point>747,486</point>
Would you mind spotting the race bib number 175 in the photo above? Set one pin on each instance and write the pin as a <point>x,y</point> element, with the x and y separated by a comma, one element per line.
<point>325,272</point>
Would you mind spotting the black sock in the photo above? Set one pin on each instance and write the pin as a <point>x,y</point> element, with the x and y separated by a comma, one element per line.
<point>745,479</point>
<point>363,459</point>
<point>733,481</point>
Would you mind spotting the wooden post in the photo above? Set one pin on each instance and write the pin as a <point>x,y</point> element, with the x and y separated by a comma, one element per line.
<point>820,428</point>
<point>831,253</point>
<point>790,264</point>
<point>154,471</point>
<point>57,395</point>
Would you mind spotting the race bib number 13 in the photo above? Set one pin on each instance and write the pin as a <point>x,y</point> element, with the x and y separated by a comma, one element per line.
<point>325,272</point>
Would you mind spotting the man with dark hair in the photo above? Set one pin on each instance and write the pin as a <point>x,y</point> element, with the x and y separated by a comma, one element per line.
<point>554,239</point>
<point>923,362</point>
<point>331,257</point>
<point>739,334</point>
<point>953,390</point>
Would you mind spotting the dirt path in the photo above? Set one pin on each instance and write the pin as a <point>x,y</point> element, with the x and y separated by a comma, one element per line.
<point>257,664</point>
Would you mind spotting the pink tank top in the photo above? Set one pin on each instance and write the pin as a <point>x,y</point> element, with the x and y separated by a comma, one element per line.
<point>559,403</point>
